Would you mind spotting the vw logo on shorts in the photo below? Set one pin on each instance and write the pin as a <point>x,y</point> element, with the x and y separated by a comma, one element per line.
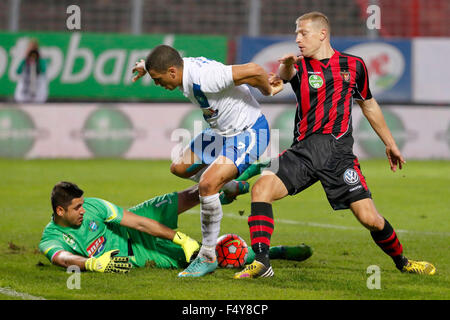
<point>351,176</point>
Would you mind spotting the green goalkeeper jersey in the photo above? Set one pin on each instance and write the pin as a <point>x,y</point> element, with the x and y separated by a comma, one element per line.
<point>101,231</point>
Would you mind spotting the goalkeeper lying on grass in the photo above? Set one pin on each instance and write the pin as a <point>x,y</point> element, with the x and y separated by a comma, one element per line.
<point>97,235</point>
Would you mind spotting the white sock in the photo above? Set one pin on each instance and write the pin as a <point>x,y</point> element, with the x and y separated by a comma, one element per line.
<point>211,216</point>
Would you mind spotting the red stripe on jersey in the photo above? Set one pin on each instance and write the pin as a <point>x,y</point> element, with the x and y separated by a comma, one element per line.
<point>337,84</point>
<point>348,97</point>
<point>358,171</point>
<point>321,95</point>
<point>305,103</point>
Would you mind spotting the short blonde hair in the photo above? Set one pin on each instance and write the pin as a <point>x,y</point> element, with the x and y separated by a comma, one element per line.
<point>316,17</point>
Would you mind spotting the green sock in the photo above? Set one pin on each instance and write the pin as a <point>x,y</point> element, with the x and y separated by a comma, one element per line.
<point>251,256</point>
<point>296,253</point>
<point>253,170</point>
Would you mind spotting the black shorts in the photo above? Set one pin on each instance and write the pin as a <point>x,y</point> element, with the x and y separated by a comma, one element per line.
<point>321,157</point>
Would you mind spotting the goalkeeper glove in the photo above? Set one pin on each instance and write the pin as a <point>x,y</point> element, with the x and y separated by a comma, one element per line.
<point>189,245</point>
<point>108,263</point>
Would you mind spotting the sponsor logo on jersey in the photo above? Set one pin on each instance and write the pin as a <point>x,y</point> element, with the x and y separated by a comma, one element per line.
<point>355,188</point>
<point>315,81</point>
<point>351,177</point>
<point>70,241</point>
<point>209,113</point>
<point>96,247</point>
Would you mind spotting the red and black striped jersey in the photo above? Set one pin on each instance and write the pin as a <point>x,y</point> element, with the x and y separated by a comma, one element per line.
<point>325,91</point>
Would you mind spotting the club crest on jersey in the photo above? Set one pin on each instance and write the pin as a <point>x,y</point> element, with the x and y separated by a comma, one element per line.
<point>345,76</point>
<point>351,177</point>
<point>93,226</point>
<point>315,81</point>
<point>96,247</point>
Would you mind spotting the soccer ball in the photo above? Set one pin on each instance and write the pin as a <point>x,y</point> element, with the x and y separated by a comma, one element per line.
<point>231,251</point>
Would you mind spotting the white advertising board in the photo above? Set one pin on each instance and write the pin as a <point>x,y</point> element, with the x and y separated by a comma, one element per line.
<point>159,131</point>
<point>431,82</point>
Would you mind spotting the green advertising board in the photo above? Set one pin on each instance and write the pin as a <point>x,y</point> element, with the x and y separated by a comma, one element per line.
<point>98,66</point>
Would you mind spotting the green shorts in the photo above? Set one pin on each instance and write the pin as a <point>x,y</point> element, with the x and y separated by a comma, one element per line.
<point>150,250</point>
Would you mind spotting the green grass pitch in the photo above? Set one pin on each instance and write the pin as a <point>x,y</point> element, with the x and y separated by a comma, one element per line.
<point>415,200</point>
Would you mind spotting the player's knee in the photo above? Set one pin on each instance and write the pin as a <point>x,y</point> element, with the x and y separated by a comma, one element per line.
<point>372,221</point>
<point>207,186</point>
<point>261,192</point>
<point>378,222</point>
<point>178,170</point>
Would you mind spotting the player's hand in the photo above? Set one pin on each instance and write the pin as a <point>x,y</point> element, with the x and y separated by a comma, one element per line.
<point>290,59</point>
<point>139,67</point>
<point>108,263</point>
<point>189,245</point>
<point>395,157</point>
<point>276,83</point>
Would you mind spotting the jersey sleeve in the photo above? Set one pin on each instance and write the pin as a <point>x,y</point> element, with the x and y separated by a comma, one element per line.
<point>50,246</point>
<point>295,81</point>
<point>362,91</point>
<point>105,210</point>
<point>215,77</point>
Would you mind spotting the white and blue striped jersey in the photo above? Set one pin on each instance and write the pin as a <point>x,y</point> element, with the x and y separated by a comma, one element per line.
<point>227,108</point>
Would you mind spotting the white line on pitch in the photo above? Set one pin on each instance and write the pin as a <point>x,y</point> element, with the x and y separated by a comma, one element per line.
<point>324,225</point>
<point>13,293</point>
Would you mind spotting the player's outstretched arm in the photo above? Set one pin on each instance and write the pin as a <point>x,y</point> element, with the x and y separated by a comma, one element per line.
<point>147,225</point>
<point>66,259</point>
<point>374,115</point>
<point>157,229</point>
<point>139,67</point>
<point>255,76</point>
<point>286,70</point>
<point>106,263</point>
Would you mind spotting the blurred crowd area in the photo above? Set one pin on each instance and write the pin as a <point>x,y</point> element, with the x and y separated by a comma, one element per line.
<point>399,18</point>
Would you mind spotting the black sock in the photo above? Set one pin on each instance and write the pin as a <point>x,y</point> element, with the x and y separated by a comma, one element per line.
<point>387,240</point>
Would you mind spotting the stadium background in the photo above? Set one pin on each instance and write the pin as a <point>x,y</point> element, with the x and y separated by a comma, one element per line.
<point>93,111</point>
<point>89,71</point>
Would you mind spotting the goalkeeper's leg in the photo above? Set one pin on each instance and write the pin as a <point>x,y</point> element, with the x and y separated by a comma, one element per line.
<point>297,253</point>
<point>240,185</point>
<point>253,170</point>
